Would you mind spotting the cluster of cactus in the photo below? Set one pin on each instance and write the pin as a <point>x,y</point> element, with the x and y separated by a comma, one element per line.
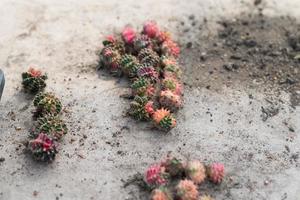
<point>33,81</point>
<point>174,179</point>
<point>149,60</point>
<point>48,128</point>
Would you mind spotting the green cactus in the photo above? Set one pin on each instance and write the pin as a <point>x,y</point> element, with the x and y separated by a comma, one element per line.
<point>137,108</point>
<point>166,123</point>
<point>149,57</point>
<point>33,83</point>
<point>141,42</point>
<point>130,65</point>
<point>52,125</point>
<point>47,103</point>
<point>140,83</point>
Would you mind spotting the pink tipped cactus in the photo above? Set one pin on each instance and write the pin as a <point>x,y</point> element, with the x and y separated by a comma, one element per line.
<point>170,100</point>
<point>155,175</point>
<point>169,47</point>
<point>163,36</point>
<point>149,108</point>
<point>148,72</point>
<point>151,29</point>
<point>187,190</point>
<point>195,170</point>
<point>128,34</point>
<point>43,148</point>
<point>172,84</point>
<point>161,194</point>
<point>111,38</point>
<point>215,172</point>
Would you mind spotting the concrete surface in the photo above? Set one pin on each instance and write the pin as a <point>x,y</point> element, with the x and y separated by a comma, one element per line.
<point>61,38</point>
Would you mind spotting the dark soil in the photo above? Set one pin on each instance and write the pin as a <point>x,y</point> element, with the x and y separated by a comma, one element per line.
<point>252,49</point>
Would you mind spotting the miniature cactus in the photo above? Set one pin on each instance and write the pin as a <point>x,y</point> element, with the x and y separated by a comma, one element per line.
<point>172,84</point>
<point>187,190</point>
<point>163,119</point>
<point>47,103</point>
<point>161,194</point>
<point>130,65</point>
<point>110,58</point>
<point>170,48</point>
<point>33,81</point>
<point>173,166</point>
<point>42,148</point>
<point>128,35</point>
<point>148,72</point>
<point>156,175</point>
<point>151,29</point>
<point>141,42</point>
<point>53,126</point>
<point>195,170</point>
<point>149,57</point>
<point>170,100</point>
<point>138,108</point>
<point>215,173</point>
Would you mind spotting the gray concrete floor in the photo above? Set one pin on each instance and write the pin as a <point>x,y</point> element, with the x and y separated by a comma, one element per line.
<point>61,38</point>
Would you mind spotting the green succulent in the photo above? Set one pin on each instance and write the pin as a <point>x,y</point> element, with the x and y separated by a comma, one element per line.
<point>149,57</point>
<point>137,108</point>
<point>52,125</point>
<point>33,84</point>
<point>130,65</point>
<point>47,103</point>
<point>166,123</point>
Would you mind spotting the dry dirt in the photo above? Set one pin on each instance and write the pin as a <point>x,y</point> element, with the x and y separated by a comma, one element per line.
<point>241,74</point>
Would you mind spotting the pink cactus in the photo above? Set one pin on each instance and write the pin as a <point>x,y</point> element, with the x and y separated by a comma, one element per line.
<point>149,107</point>
<point>34,72</point>
<point>155,175</point>
<point>170,48</point>
<point>151,29</point>
<point>42,141</point>
<point>111,38</point>
<point>128,34</point>
<point>216,173</point>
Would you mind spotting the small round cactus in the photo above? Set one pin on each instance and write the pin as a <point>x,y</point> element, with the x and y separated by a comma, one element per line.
<point>170,100</point>
<point>149,73</point>
<point>170,48</point>
<point>141,42</point>
<point>130,65</point>
<point>47,103</point>
<point>149,57</point>
<point>172,84</point>
<point>156,175</point>
<point>187,190</point>
<point>195,170</point>
<point>163,119</point>
<point>110,58</point>
<point>215,173</point>
<point>151,29</point>
<point>173,166</point>
<point>33,81</point>
<point>52,125</point>
<point>42,148</point>
<point>128,35</point>
<point>161,194</point>
<point>139,108</point>
<point>143,87</point>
